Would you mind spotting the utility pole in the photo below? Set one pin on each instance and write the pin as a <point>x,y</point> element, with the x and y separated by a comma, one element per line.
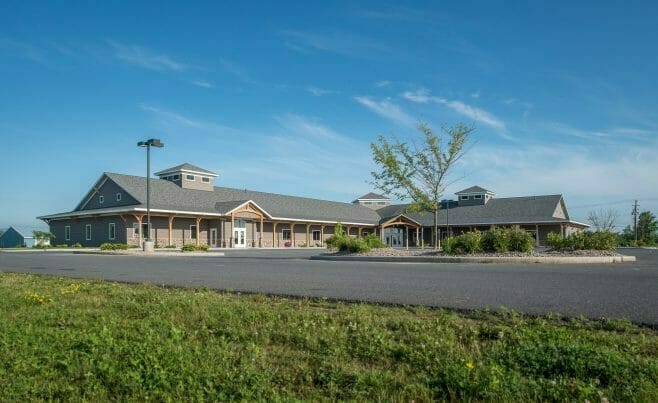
<point>634,213</point>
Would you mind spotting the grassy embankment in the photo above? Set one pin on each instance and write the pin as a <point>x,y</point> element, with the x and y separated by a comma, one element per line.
<point>71,339</point>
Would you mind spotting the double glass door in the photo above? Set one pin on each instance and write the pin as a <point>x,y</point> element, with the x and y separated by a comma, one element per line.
<point>239,237</point>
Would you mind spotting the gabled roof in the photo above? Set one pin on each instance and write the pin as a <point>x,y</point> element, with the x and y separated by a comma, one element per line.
<point>166,195</point>
<point>372,196</point>
<point>529,209</point>
<point>474,189</point>
<point>187,168</point>
<point>25,231</point>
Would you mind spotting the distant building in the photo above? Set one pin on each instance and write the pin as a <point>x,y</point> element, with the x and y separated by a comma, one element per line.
<point>18,237</point>
<point>187,208</point>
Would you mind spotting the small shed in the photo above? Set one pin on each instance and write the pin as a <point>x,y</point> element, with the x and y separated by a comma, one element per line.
<point>15,237</point>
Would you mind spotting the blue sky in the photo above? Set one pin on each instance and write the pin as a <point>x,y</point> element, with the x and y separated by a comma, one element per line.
<point>286,96</point>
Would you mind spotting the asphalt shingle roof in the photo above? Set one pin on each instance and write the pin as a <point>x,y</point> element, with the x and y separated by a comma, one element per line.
<point>167,195</point>
<point>495,211</point>
<point>186,167</point>
<point>372,196</point>
<point>474,189</point>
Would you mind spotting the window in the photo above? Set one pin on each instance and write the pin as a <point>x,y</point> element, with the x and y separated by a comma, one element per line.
<point>189,177</point>
<point>463,197</point>
<point>118,196</point>
<point>67,233</point>
<point>101,199</point>
<point>111,231</point>
<point>285,234</point>
<point>364,233</point>
<point>88,232</point>
<point>316,235</point>
<point>176,177</point>
<point>477,197</point>
<point>205,179</point>
<point>135,230</point>
<point>381,203</point>
<point>193,231</point>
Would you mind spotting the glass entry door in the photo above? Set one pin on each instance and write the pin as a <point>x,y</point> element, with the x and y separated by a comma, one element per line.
<point>239,237</point>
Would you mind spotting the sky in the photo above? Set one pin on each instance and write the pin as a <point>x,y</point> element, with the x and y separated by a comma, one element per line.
<point>286,97</point>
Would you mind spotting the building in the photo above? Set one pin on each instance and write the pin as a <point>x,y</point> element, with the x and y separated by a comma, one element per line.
<point>187,208</point>
<point>15,237</point>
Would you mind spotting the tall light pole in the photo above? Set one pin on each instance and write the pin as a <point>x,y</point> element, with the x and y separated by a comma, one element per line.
<point>148,244</point>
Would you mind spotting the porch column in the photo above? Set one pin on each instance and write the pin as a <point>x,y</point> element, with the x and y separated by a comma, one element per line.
<point>308,235</point>
<point>359,233</point>
<point>321,235</point>
<point>198,230</point>
<point>406,229</point>
<point>292,234</point>
<point>171,230</point>
<point>537,234</point>
<point>417,236</point>
<point>349,228</point>
<point>230,244</point>
<point>221,233</point>
<point>260,233</point>
<point>274,243</point>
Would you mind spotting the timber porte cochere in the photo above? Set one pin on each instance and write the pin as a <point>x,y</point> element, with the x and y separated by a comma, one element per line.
<point>186,208</point>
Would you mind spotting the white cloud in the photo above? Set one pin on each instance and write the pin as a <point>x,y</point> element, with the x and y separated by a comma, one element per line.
<point>475,95</point>
<point>387,109</point>
<point>145,58</point>
<point>613,134</point>
<point>203,84</point>
<point>318,92</point>
<point>338,42</point>
<point>382,83</point>
<point>477,114</point>
<point>307,126</point>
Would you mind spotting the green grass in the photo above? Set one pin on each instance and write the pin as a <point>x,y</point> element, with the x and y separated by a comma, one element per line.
<point>64,339</point>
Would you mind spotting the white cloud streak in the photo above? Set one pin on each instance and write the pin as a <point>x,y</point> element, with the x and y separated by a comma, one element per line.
<point>203,84</point>
<point>387,109</point>
<point>477,114</point>
<point>318,92</point>
<point>146,58</point>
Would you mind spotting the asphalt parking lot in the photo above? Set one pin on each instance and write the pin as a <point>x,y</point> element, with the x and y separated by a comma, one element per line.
<point>626,290</point>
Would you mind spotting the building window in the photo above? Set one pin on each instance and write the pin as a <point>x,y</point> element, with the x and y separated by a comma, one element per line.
<point>118,196</point>
<point>189,177</point>
<point>67,233</point>
<point>381,203</point>
<point>285,234</point>
<point>463,197</point>
<point>101,199</point>
<point>364,233</point>
<point>205,179</point>
<point>477,197</point>
<point>111,231</point>
<point>316,235</point>
<point>88,232</point>
<point>192,231</point>
<point>176,177</point>
<point>135,230</point>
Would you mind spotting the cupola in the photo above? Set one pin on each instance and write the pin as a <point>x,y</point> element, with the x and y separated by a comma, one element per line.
<point>474,196</point>
<point>373,200</point>
<point>189,176</point>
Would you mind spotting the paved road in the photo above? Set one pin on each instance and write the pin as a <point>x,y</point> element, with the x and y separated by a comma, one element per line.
<point>627,290</point>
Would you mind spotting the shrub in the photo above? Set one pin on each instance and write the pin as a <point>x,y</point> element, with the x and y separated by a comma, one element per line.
<point>62,245</point>
<point>599,240</point>
<point>114,246</point>
<point>466,243</point>
<point>495,240</point>
<point>346,243</point>
<point>520,240</point>
<point>190,247</point>
<point>170,247</point>
<point>374,242</point>
<point>77,245</point>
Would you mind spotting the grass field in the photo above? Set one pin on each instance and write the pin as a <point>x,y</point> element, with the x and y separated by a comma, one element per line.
<point>85,340</point>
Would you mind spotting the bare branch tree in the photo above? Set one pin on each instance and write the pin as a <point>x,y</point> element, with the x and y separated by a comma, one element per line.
<point>603,219</point>
<point>420,172</point>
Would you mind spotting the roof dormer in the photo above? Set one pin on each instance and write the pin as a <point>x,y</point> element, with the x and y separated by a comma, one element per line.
<point>189,176</point>
<point>373,200</point>
<point>474,196</point>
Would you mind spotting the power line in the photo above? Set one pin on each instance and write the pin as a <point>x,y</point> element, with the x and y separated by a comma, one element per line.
<point>611,203</point>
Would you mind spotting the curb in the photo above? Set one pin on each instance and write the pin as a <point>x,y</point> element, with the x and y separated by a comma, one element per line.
<point>155,254</point>
<point>467,259</point>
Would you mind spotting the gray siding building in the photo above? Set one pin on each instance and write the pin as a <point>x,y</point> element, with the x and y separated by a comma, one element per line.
<point>187,208</point>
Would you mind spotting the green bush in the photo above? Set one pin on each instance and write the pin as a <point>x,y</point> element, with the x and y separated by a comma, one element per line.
<point>373,241</point>
<point>466,243</point>
<point>114,246</point>
<point>345,243</point>
<point>599,240</point>
<point>495,241</point>
<point>77,245</point>
<point>190,247</point>
<point>520,240</point>
<point>170,247</point>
